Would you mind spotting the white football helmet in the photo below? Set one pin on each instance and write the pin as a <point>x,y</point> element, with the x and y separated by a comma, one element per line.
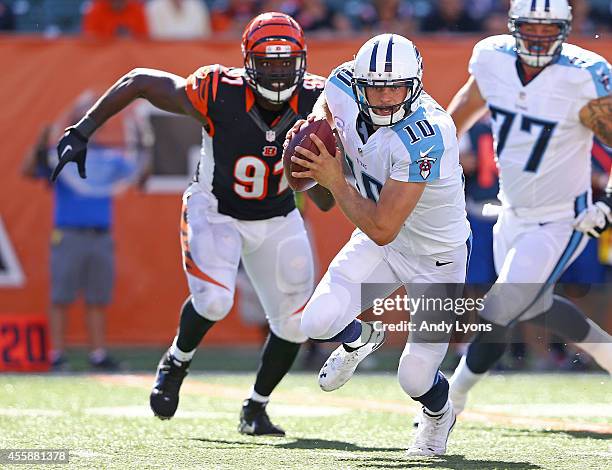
<point>388,60</point>
<point>539,51</point>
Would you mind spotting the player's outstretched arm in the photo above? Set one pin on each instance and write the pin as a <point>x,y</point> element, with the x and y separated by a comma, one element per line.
<point>597,116</point>
<point>164,90</point>
<point>467,106</point>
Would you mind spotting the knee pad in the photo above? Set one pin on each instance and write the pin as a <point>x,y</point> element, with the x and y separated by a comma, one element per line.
<point>418,367</point>
<point>506,303</point>
<point>213,304</point>
<point>322,312</point>
<point>294,268</point>
<point>289,329</point>
<point>318,317</point>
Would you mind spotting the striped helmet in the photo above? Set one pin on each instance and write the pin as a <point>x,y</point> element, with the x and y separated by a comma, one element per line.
<point>274,53</point>
<point>388,60</point>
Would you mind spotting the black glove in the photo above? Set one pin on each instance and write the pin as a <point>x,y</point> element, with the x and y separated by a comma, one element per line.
<point>72,147</point>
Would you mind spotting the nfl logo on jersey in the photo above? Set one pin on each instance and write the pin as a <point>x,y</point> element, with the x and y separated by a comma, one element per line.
<point>270,136</point>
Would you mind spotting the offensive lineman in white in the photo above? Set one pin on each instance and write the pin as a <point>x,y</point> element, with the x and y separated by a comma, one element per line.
<point>409,208</point>
<point>547,98</point>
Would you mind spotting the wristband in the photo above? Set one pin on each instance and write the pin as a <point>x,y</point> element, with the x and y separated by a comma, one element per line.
<point>86,126</point>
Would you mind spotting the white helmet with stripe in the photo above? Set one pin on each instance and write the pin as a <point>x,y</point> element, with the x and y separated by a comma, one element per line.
<point>536,50</point>
<point>388,60</point>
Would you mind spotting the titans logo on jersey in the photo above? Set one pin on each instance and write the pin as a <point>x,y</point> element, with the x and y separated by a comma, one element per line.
<point>420,148</point>
<point>241,162</point>
<point>542,150</point>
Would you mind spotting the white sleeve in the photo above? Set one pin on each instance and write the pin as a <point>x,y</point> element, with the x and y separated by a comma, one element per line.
<point>418,163</point>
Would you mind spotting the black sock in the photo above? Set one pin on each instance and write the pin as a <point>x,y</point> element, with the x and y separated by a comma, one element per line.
<point>192,327</point>
<point>276,360</point>
<point>564,319</point>
<point>436,397</point>
<point>486,349</point>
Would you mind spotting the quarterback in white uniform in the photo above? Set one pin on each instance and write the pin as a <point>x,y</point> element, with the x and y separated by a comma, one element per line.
<point>409,208</point>
<point>547,99</point>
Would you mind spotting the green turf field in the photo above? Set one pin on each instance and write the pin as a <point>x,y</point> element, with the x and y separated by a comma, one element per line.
<point>514,422</point>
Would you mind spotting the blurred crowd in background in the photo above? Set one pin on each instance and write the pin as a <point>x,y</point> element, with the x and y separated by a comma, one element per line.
<point>193,19</point>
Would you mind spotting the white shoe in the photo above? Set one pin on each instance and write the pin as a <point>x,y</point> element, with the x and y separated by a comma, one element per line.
<point>433,431</point>
<point>341,365</point>
<point>457,398</point>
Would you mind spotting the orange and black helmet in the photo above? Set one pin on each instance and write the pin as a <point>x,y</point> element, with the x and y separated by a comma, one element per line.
<point>274,54</point>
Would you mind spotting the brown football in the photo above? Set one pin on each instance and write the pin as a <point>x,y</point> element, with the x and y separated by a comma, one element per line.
<point>323,131</point>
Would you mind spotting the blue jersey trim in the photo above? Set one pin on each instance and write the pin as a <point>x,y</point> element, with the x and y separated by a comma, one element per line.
<point>600,72</point>
<point>570,249</point>
<point>343,86</point>
<point>416,171</point>
<point>507,45</point>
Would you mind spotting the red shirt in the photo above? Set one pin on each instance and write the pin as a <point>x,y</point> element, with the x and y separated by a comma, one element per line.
<point>102,21</point>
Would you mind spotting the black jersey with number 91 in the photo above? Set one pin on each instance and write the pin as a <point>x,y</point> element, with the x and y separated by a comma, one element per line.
<point>242,145</point>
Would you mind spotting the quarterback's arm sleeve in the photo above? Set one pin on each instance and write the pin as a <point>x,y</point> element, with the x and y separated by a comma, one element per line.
<point>421,170</point>
<point>416,163</point>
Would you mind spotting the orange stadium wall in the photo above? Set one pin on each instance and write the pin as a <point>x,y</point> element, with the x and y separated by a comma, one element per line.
<point>40,77</point>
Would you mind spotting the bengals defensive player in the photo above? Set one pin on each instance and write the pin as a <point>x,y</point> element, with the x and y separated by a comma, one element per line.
<point>239,206</point>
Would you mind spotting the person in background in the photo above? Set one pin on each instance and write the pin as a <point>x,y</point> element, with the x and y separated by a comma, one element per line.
<point>318,16</point>
<point>450,16</point>
<point>178,19</point>
<point>7,17</point>
<point>82,248</point>
<point>229,17</point>
<point>381,15</point>
<point>109,18</point>
<point>582,23</point>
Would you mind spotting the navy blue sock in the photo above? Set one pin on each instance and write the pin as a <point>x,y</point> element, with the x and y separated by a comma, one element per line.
<point>351,332</point>
<point>436,397</point>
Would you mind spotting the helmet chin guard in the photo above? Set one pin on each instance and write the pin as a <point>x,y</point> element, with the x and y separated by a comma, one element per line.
<point>387,60</point>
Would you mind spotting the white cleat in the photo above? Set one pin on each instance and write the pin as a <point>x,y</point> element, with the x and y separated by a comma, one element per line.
<point>341,365</point>
<point>432,433</point>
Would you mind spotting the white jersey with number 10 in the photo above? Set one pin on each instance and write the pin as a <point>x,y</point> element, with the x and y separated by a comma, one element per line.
<point>420,148</point>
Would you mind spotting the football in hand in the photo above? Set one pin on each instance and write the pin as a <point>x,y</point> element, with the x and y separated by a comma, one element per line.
<point>323,131</point>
